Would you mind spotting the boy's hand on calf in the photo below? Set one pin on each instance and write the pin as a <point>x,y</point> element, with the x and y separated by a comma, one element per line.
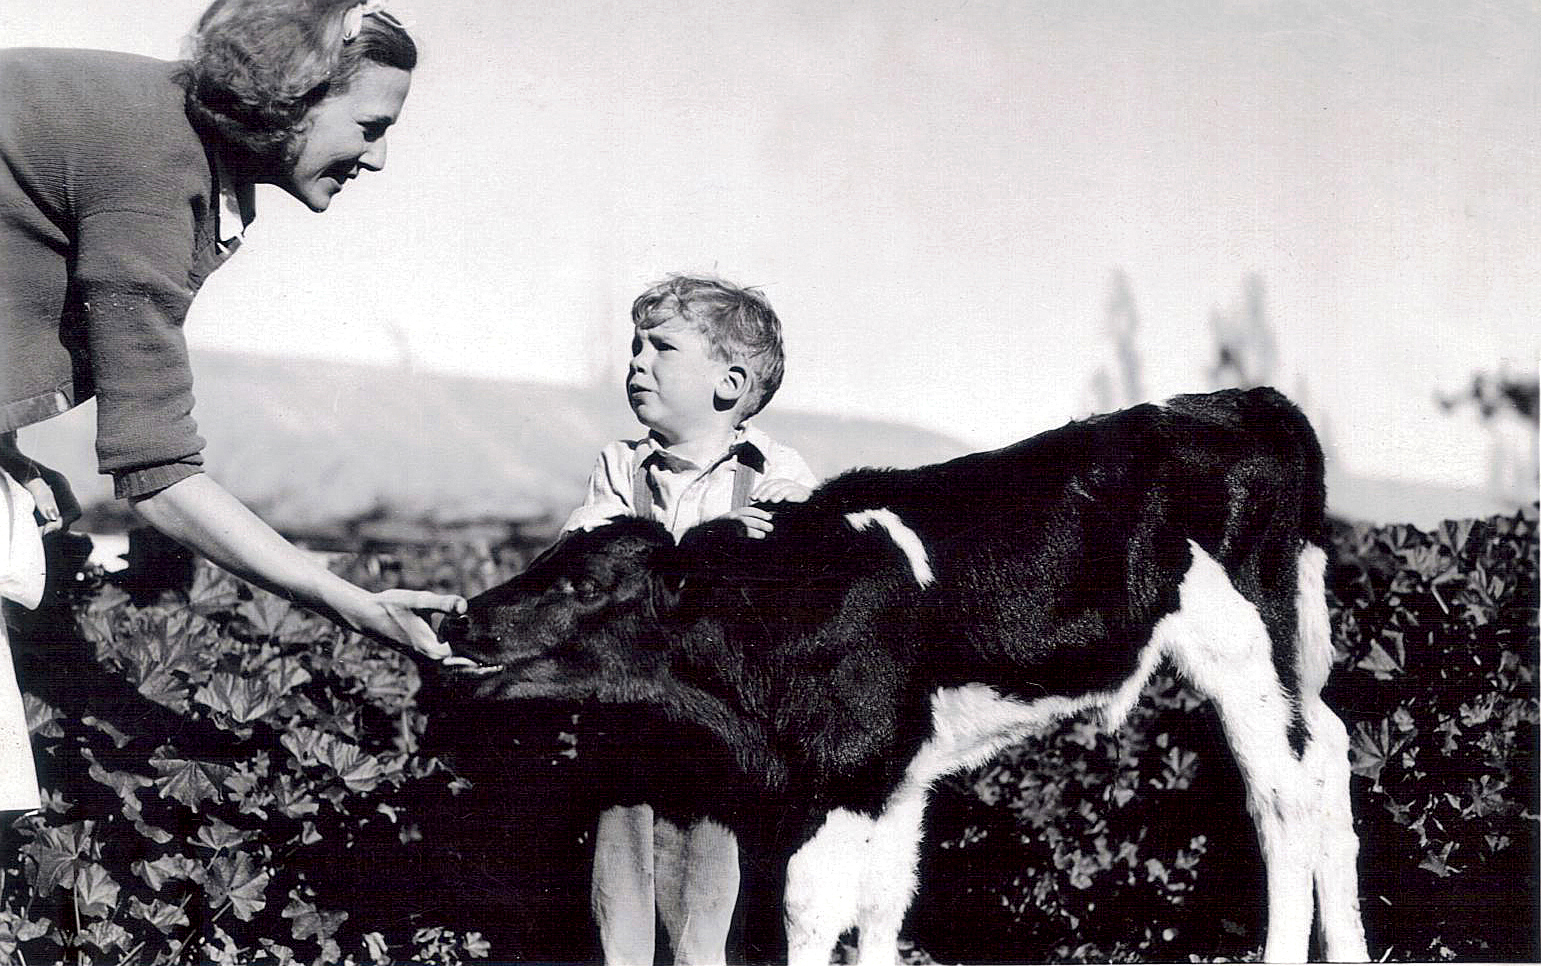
<point>781,491</point>
<point>757,522</point>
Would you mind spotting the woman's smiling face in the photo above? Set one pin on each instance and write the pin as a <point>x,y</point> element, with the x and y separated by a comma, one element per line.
<point>345,134</point>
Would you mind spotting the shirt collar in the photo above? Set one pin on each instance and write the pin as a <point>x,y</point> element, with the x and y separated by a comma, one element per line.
<point>237,205</point>
<point>747,440</point>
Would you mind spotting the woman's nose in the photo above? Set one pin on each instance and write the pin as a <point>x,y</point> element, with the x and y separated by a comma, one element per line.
<point>374,158</point>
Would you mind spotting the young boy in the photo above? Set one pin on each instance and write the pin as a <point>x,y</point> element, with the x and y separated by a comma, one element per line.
<point>705,357</point>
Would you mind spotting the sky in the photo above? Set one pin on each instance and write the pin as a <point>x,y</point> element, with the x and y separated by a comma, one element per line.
<point>935,196</point>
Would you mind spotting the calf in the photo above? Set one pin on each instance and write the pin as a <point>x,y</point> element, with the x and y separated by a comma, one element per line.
<point>904,624</point>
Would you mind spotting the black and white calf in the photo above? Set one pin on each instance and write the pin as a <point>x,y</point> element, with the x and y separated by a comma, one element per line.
<point>905,624</point>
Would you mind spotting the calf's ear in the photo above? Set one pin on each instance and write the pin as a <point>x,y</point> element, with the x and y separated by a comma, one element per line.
<point>667,576</point>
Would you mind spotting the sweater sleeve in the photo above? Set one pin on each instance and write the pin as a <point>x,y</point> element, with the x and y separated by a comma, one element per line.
<point>132,275</point>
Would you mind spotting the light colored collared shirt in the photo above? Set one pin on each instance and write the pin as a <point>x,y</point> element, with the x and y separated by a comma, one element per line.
<point>237,207</point>
<point>684,493</point>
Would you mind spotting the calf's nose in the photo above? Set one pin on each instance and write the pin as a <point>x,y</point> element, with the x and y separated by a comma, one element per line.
<point>454,628</point>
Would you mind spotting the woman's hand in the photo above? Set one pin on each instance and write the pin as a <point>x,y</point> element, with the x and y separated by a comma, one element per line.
<point>57,507</point>
<point>392,617</point>
<point>198,513</point>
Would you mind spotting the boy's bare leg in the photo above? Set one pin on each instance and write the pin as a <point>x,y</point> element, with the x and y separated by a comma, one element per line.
<point>622,890</point>
<point>697,889</point>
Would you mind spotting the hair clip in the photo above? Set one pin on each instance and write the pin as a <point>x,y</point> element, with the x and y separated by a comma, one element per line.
<point>353,20</point>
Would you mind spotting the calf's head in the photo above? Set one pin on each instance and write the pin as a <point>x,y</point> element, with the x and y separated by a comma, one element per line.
<point>581,622</point>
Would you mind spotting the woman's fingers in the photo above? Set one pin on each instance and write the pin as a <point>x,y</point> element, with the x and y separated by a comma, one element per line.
<point>428,600</point>
<point>402,625</point>
<point>63,497</point>
<point>422,639</point>
<point>46,509</point>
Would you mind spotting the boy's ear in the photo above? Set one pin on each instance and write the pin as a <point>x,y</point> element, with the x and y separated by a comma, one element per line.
<point>733,383</point>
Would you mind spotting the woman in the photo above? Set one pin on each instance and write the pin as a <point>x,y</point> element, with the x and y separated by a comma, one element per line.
<point>125,181</point>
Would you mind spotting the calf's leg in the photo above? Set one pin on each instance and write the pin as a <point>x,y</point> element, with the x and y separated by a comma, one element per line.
<point>1336,872</point>
<point>888,876</point>
<point>823,882</point>
<point>1218,640</point>
<point>1327,770</point>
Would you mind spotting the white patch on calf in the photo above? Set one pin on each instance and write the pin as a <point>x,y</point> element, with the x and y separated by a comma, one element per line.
<point>906,539</point>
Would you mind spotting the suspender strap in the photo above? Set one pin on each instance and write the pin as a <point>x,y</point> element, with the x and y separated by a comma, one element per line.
<point>743,481</point>
<point>641,492</point>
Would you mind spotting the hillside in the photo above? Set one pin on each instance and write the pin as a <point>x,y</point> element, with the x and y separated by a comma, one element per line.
<point>306,442</point>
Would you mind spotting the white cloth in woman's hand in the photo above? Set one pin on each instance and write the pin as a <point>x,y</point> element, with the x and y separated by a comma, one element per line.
<point>21,580</point>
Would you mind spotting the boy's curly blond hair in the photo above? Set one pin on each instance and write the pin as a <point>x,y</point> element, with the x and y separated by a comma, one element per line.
<point>738,323</point>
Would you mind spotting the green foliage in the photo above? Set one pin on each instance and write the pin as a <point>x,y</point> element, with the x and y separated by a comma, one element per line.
<point>1440,692</point>
<point>213,753</point>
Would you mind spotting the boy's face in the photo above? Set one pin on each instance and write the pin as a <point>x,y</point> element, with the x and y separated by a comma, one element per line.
<point>673,383</point>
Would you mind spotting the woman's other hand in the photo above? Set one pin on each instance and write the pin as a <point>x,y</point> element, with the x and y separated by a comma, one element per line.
<point>57,507</point>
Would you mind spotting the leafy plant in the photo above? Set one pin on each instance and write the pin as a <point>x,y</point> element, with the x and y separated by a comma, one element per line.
<point>203,757</point>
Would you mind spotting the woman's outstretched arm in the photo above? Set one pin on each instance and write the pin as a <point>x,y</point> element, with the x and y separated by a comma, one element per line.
<point>202,515</point>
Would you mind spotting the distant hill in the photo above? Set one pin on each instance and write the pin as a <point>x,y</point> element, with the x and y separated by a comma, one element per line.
<point>308,442</point>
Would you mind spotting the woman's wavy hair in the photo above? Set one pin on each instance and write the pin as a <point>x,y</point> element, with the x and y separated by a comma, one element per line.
<point>256,67</point>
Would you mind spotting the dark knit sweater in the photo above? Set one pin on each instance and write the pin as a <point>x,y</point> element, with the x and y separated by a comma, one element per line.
<point>108,207</point>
